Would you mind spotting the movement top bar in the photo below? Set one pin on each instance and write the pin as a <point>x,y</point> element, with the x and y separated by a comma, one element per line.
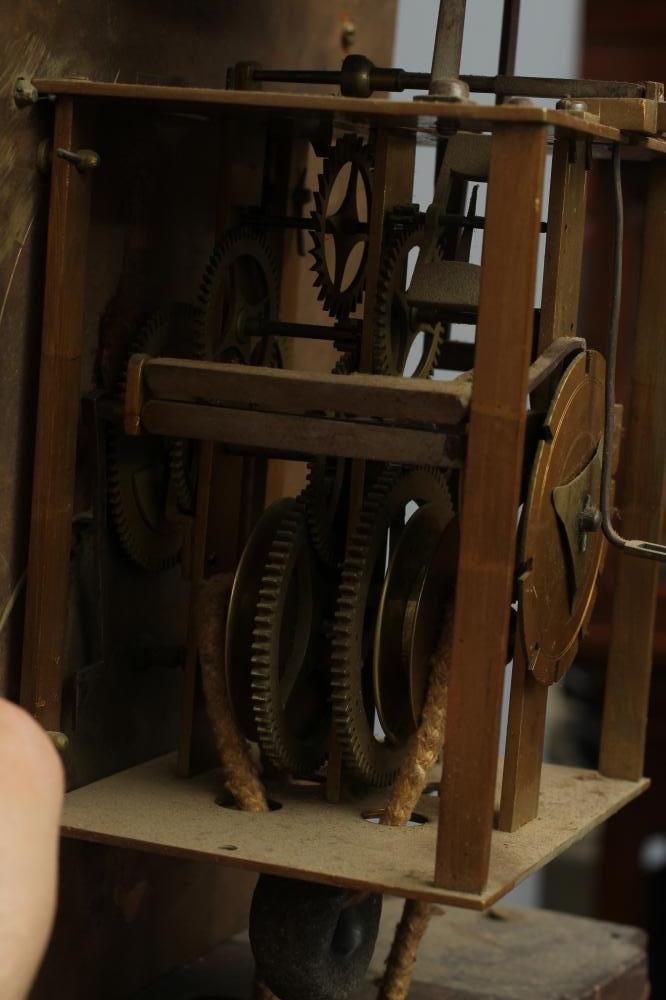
<point>419,115</point>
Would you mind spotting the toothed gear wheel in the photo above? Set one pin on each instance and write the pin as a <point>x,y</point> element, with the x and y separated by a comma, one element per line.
<point>137,488</point>
<point>139,468</point>
<point>323,494</point>
<point>183,472</point>
<point>242,278</point>
<point>341,224</point>
<point>290,684</point>
<point>396,322</point>
<point>183,451</point>
<point>371,759</point>
<point>168,332</point>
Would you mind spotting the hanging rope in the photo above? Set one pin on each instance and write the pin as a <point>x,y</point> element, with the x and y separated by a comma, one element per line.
<point>407,790</point>
<point>244,784</point>
<point>240,774</point>
<point>402,956</point>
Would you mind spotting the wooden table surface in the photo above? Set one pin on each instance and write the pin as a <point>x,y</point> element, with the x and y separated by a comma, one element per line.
<point>506,954</point>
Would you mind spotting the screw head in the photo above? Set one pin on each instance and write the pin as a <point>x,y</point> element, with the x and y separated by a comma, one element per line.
<point>590,519</point>
<point>25,93</point>
<point>516,101</point>
<point>572,106</point>
<point>347,34</point>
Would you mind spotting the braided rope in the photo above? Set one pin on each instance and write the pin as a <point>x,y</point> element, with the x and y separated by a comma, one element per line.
<point>407,790</point>
<point>240,774</point>
<point>243,782</point>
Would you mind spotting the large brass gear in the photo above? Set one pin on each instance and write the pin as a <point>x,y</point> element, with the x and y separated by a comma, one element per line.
<point>369,758</point>
<point>420,581</point>
<point>242,271</point>
<point>242,277</point>
<point>341,225</point>
<point>396,322</point>
<point>139,468</point>
<point>242,612</point>
<point>561,546</point>
<point>290,678</point>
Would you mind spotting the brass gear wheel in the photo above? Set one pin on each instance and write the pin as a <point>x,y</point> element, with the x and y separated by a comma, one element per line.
<point>326,479</point>
<point>139,468</point>
<point>183,471</point>
<point>242,612</point>
<point>243,275</point>
<point>290,680</point>
<point>341,225</point>
<point>183,452</point>
<point>323,495</point>
<point>396,323</point>
<point>243,270</point>
<point>372,759</point>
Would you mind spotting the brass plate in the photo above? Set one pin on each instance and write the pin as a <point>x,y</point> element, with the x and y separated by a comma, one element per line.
<point>555,590</point>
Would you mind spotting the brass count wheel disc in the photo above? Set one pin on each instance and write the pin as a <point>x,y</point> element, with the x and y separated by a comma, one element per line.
<point>561,551</point>
<point>418,584</point>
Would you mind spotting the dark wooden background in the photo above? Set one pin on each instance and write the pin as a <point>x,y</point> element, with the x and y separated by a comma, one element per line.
<point>625,41</point>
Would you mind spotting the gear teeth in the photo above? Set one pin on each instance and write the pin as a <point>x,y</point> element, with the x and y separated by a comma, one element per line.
<point>168,329</point>
<point>349,148</point>
<point>238,242</point>
<point>134,542</point>
<point>285,751</point>
<point>368,759</point>
<point>323,476</point>
<point>391,275</point>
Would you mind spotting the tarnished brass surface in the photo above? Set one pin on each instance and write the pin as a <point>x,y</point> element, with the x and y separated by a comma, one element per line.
<point>557,583</point>
<point>419,581</point>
